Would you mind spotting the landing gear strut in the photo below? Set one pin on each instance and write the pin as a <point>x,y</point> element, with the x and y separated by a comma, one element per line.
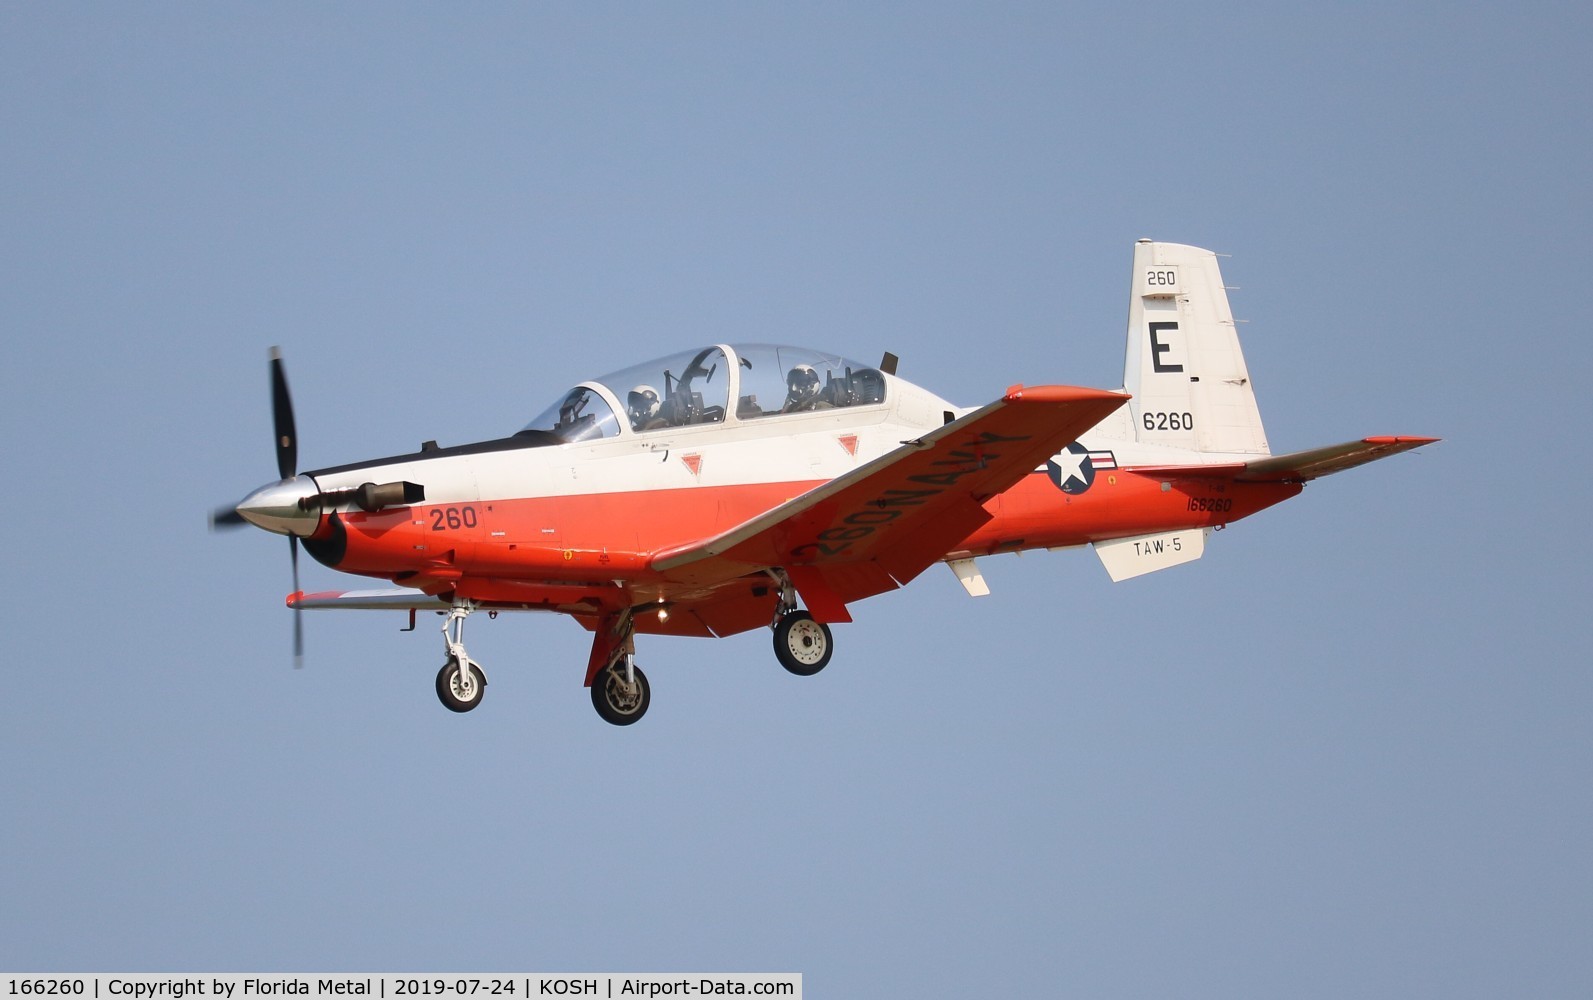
<point>460,682</point>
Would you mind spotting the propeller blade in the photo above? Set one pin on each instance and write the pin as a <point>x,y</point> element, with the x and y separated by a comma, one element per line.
<point>287,444</point>
<point>298,613</point>
<point>226,517</point>
<point>287,449</point>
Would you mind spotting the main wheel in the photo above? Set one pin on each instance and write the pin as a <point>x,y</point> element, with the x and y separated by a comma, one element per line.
<point>458,690</point>
<point>619,703</point>
<point>801,644</point>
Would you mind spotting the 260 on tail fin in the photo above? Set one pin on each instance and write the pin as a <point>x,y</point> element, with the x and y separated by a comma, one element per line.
<point>1183,365</point>
<point>1194,405</point>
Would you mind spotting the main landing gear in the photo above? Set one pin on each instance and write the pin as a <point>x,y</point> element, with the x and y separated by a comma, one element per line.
<point>802,645</point>
<point>620,691</point>
<point>460,682</point>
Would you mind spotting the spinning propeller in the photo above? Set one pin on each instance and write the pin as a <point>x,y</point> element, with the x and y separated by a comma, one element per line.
<point>287,467</point>
<point>293,505</point>
<point>287,449</point>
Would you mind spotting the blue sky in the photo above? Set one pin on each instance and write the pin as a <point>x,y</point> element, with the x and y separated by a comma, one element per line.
<point>1347,753</point>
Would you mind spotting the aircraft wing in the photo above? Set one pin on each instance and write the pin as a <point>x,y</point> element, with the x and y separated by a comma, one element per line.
<point>367,600</point>
<point>880,525</point>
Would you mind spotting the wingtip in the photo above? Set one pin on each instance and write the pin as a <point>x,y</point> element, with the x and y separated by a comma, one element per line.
<point>1062,394</point>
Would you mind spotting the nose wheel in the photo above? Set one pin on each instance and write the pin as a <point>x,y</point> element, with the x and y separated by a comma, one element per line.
<point>460,682</point>
<point>460,690</point>
<point>802,645</point>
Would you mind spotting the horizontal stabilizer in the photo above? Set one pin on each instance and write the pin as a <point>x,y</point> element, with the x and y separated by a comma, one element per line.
<point>1126,558</point>
<point>1303,466</point>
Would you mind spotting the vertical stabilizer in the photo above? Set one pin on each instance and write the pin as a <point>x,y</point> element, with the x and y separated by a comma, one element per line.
<point>1184,366</point>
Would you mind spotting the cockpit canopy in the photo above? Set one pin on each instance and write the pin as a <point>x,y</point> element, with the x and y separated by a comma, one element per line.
<point>696,387</point>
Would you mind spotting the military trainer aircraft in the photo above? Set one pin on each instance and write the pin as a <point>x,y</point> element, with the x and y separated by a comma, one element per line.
<point>743,485</point>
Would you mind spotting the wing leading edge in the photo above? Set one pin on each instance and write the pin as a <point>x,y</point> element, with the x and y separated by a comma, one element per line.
<point>879,526</point>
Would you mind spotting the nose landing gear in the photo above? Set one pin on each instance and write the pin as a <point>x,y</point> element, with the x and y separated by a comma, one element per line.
<point>460,682</point>
<point>460,690</point>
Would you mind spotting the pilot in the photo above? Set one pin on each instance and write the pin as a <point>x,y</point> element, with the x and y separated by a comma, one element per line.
<point>641,405</point>
<point>802,391</point>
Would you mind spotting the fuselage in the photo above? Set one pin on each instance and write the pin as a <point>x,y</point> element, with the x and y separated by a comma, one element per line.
<point>536,520</point>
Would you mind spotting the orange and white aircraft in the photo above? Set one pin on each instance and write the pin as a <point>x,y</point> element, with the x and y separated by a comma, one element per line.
<point>737,486</point>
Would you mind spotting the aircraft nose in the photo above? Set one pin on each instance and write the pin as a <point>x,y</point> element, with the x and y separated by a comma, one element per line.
<point>279,507</point>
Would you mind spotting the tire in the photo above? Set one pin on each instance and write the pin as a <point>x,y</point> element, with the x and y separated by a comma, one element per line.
<point>448,691</point>
<point>617,706</point>
<point>802,645</point>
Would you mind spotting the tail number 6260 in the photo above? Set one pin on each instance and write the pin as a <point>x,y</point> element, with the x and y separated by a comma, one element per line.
<point>1168,421</point>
